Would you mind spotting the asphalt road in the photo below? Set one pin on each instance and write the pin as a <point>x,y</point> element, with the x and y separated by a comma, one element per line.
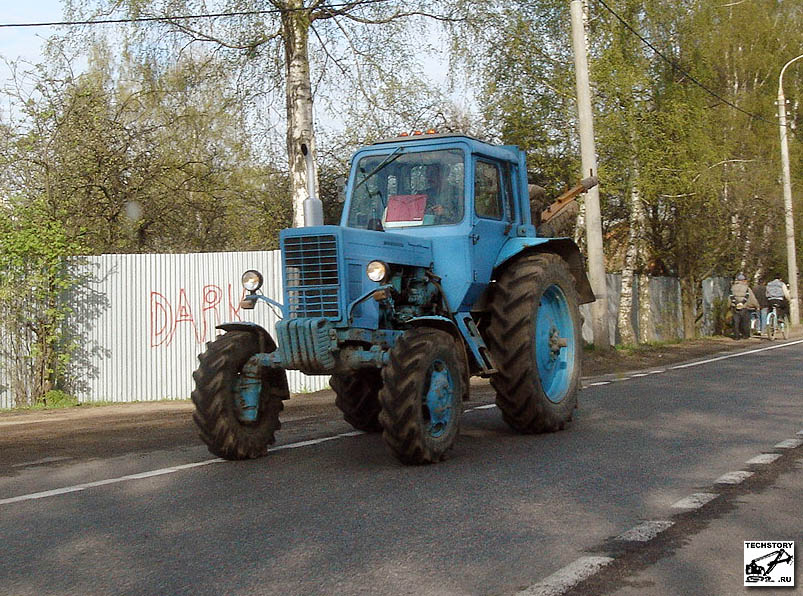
<point>342,517</point>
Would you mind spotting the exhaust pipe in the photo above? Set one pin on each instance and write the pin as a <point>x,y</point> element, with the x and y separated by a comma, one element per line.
<point>313,207</point>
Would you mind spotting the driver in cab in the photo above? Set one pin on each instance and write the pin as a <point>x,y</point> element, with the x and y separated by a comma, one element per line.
<point>441,199</point>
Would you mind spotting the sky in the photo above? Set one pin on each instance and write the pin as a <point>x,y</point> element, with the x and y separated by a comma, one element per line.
<point>25,43</point>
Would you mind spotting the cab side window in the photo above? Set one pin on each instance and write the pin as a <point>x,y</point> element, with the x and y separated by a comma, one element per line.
<point>508,184</point>
<point>487,191</point>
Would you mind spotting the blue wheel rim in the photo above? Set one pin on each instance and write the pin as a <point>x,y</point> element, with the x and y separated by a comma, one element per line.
<point>554,344</point>
<point>438,403</point>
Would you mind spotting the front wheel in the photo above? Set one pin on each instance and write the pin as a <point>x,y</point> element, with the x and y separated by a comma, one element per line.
<point>357,397</point>
<point>422,395</point>
<point>534,337</point>
<point>217,414</point>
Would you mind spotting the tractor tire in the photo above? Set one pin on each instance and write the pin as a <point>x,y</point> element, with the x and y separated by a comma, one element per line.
<point>534,312</point>
<point>214,399</point>
<point>422,395</point>
<point>357,396</point>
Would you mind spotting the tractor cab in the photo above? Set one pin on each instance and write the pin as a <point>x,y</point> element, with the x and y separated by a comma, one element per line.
<point>432,180</point>
<point>453,190</point>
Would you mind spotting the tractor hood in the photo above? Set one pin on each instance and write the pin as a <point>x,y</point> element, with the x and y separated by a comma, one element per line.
<point>324,270</point>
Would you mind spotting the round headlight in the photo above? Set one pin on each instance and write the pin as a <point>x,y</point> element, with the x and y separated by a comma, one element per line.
<point>377,271</point>
<point>252,280</point>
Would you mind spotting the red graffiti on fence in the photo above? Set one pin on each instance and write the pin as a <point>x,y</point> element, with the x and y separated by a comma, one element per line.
<point>166,320</point>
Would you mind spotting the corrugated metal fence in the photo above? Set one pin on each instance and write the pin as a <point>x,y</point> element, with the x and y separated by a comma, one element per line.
<point>153,314</point>
<point>665,312</point>
<point>144,318</point>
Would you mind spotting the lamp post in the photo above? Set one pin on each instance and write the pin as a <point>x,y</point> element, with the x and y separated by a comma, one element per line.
<point>791,256</point>
<point>585,125</point>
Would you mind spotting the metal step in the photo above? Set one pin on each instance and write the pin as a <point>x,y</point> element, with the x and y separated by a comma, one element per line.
<point>468,327</point>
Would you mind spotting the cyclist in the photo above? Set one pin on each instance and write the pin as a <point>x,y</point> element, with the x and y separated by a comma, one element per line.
<point>778,297</point>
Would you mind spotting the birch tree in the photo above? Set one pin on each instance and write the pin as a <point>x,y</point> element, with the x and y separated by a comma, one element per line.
<point>284,49</point>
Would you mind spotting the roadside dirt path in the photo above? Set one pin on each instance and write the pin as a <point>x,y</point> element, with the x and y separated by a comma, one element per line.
<point>45,436</point>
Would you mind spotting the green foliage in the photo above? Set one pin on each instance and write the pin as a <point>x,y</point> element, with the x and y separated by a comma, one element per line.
<point>136,157</point>
<point>37,275</point>
<point>705,174</point>
<point>59,399</point>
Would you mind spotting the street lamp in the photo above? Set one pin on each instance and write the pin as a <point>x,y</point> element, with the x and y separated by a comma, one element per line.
<point>794,307</point>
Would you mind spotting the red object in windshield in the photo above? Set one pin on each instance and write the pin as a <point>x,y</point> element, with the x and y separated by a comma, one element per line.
<point>405,210</point>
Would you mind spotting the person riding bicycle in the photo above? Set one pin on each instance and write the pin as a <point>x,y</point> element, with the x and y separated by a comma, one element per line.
<point>778,297</point>
<point>743,301</point>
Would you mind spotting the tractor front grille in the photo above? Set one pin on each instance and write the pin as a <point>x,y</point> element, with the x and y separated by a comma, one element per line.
<point>311,282</point>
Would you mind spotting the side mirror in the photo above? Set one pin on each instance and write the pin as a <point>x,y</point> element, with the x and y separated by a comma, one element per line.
<point>341,189</point>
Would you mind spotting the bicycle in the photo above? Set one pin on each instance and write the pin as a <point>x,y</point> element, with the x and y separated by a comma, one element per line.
<point>776,323</point>
<point>755,323</point>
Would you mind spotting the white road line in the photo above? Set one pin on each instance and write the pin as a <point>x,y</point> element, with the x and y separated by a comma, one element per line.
<point>733,477</point>
<point>354,433</point>
<point>644,532</point>
<point>564,579</point>
<point>640,374</point>
<point>764,458</point>
<point>599,383</point>
<point>485,407</point>
<point>160,472</point>
<point>694,501</point>
<point>690,364</point>
<point>789,444</point>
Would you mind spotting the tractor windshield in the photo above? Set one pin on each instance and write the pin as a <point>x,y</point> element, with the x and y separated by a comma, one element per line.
<point>403,189</point>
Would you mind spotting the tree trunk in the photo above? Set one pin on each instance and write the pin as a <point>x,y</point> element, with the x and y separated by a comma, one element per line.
<point>300,132</point>
<point>688,301</point>
<point>626,331</point>
<point>580,227</point>
<point>644,310</point>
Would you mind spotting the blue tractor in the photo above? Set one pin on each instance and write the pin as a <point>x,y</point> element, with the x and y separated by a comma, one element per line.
<point>435,273</point>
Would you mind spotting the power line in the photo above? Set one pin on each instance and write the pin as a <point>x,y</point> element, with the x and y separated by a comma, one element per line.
<point>674,65</point>
<point>243,13</point>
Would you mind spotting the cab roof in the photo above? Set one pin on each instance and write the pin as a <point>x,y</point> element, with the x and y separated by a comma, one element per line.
<point>507,152</point>
<point>426,136</point>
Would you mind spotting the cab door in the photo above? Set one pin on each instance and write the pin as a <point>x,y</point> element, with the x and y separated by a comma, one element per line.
<point>492,216</point>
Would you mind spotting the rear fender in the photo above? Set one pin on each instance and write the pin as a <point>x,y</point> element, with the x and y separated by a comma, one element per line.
<point>566,248</point>
<point>437,322</point>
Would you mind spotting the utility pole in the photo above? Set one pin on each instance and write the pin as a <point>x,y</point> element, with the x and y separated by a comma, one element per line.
<point>791,253</point>
<point>588,152</point>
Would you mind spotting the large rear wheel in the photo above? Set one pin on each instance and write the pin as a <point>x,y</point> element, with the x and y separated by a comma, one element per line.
<point>357,396</point>
<point>217,410</point>
<point>534,336</point>
<point>422,395</point>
